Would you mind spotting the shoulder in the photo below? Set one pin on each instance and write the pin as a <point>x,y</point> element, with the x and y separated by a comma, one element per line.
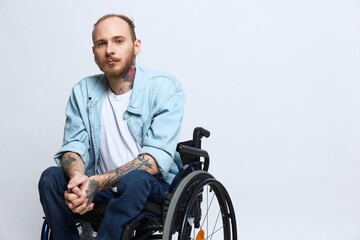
<point>90,81</point>
<point>157,79</point>
<point>90,84</point>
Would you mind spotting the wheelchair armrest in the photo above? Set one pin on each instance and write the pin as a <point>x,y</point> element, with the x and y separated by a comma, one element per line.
<point>190,166</point>
<point>186,170</point>
<point>181,148</point>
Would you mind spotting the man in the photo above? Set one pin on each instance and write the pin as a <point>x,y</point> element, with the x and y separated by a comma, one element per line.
<point>120,136</point>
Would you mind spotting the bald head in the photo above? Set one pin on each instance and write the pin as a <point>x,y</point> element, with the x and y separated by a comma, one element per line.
<point>128,21</point>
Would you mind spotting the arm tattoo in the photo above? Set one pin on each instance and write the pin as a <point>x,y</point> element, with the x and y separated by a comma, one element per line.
<point>66,164</point>
<point>90,192</point>
<point>141,162</point>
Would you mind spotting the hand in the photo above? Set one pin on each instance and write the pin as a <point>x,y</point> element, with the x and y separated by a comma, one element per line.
<point>80,193</point>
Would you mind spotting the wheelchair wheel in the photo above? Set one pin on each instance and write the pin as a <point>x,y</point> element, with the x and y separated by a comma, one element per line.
<point>45,232</point>
<point>200,208</point>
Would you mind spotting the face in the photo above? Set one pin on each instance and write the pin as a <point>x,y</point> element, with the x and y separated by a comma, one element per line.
<point>113,49</point>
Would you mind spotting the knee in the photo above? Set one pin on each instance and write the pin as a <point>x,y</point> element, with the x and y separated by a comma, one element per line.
<point>137,179</point>
<point>137,176</point>
<point>50,177</point>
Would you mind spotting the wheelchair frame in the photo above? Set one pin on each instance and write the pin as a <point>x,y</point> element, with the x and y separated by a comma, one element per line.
<point>180,217</point>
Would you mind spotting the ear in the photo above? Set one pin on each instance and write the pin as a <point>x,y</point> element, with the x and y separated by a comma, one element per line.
<point>137,46</point>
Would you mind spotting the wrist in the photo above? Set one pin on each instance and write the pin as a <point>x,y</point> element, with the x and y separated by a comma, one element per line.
<point>94,180</point>
<point>75,174</point>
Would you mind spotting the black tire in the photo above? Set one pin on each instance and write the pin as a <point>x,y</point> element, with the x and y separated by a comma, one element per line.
<point>199,190</point>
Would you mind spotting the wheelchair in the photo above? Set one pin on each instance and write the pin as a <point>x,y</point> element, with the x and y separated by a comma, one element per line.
<point>196,206</point>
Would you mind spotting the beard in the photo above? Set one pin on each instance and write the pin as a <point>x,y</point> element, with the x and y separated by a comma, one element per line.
<point>121,67</point>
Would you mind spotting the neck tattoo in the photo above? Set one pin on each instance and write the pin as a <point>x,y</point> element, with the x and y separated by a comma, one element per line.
<point>130,76</point>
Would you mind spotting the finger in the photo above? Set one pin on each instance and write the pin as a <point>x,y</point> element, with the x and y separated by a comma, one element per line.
<point>76,208</point>
<point>77,191</point>
<point>73,201</point>
<point>79,201</point>
<point>74,182</point>
<point>87,209</point>
<point>69,196</point>
<point>81,209</point>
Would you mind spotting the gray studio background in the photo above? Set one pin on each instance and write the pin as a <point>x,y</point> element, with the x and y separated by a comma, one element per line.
<point>276,82</point>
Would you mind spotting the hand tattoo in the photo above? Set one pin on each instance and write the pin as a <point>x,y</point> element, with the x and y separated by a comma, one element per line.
<point>90,192</point>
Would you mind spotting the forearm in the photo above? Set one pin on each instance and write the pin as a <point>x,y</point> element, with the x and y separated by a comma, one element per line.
<point>112,178</point>
<point>72,164</point>
<point>80,189</point>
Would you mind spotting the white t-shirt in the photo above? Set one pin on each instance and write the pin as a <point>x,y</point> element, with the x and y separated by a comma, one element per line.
<point>117,144</point>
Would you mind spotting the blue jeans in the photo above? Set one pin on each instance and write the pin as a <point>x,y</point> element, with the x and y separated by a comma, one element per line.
<point>134,189</point>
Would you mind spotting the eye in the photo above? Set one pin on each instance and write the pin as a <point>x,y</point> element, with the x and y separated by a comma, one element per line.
<point>100,44</point>
<point>118,41</point>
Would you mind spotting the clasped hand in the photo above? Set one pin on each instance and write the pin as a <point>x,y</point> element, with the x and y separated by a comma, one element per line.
<point>79,194</point>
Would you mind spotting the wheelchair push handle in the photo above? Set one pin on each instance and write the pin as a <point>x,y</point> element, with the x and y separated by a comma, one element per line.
<point>200,132</point>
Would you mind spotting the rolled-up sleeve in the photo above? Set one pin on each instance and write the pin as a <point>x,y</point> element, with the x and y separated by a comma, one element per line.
<point>76,137</point>
<point>163,135</point>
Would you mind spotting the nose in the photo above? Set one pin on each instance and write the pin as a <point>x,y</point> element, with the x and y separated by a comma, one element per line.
<point>110,48</point>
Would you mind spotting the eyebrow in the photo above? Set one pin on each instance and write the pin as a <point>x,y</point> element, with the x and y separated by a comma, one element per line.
<point>115,37</point>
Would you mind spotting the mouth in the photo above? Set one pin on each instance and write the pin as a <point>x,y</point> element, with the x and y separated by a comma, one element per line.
<point>112,61</point>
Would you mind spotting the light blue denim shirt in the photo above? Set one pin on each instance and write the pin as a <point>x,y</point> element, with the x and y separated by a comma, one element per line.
<point>154,117</point>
